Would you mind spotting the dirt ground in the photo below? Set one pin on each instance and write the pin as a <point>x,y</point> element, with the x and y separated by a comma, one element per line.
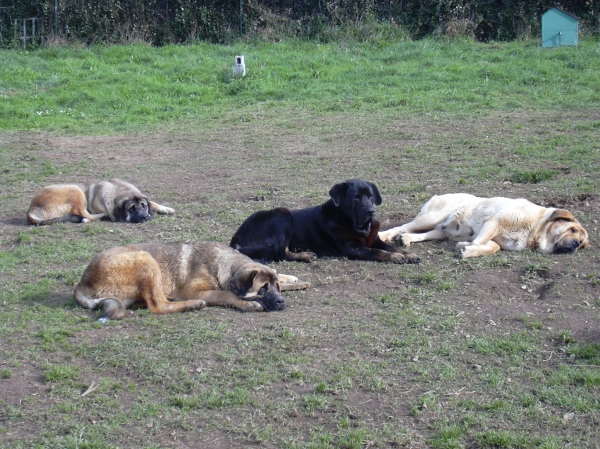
<point>216,176</point>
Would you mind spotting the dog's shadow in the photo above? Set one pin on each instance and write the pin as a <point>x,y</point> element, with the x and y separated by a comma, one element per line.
<point>49,300</point>
<point>19,222</point>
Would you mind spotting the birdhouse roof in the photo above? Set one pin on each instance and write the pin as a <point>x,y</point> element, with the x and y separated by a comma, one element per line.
<point>564,12</point>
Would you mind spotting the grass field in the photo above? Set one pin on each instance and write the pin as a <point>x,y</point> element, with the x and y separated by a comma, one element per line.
<point>497,352</point>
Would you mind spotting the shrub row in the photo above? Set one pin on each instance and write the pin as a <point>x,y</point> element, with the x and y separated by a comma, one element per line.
<point>175,21</point>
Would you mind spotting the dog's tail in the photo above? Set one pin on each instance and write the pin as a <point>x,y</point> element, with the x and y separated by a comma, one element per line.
<point>112,308</point>
<point>35,219</point>
<point>71,218</point>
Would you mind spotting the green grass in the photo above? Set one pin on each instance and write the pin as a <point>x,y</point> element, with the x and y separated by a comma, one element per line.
<point>123,88</point>
<point>533,176</point>
<point>61,373</point>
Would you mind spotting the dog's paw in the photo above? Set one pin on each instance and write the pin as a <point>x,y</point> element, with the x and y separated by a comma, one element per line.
<point>461,245</point>
<point>85,220</point>
<point>288,278</point>
<point>468,251</point>
<point>199,304</point>
<point>404,258</point>
<point>307,256</point>
<point>168,210</point>
<point>405,239</point>
<point>413,258</point>
<point>386,236</point>
<point>251,306</point>
<point>398,258</point>
<point>300,285</point>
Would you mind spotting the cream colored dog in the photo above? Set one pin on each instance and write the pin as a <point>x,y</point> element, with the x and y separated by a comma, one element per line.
<point>485,225</point>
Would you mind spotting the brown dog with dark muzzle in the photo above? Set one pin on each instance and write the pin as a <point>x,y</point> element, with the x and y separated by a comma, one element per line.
<point>113,199</point>
<point>177,277</point>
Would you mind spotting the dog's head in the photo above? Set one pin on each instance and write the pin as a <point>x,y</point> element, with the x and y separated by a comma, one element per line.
<point>564,234</point>
<point>256,282</point>
<point>133,209</point>
<point>357,198</point>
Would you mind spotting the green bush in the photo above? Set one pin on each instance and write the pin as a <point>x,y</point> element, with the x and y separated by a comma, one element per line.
<point>175,21</point>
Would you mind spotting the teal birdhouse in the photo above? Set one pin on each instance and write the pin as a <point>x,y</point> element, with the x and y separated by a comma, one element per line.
<point>559,28</point>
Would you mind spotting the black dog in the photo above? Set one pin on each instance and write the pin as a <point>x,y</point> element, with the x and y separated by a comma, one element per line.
<point>344,226</point>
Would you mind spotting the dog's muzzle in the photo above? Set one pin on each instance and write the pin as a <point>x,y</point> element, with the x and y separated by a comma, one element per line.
<point>140,218</point>
<point>271,300</point>
<point>365,228</point>
<point>567,247</point>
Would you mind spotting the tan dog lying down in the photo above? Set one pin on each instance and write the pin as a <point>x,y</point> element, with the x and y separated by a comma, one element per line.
<point>114,199</point>
<point>484,225</point>
<point>177,277</point>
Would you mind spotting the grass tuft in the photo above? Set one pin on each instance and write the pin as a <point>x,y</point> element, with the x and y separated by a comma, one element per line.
<point>533,176</point>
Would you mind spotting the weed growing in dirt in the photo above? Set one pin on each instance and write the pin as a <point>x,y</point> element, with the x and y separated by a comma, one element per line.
<point>533,176</point>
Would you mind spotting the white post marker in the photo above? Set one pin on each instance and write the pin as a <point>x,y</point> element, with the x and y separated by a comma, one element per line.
<point>239,68</point>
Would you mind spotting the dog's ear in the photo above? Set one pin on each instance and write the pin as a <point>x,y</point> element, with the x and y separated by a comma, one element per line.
<point>242,282</point>
<point>150,211</point>
<point>120,211</point>
<point>561,214</point>
<point>338,193</point>
<point>376,195</point>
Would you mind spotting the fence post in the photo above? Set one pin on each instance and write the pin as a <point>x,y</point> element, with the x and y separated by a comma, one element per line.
<point>241,17</point>
<point>55,17</point>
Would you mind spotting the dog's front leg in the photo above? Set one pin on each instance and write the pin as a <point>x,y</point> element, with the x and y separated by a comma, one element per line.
<point>160,209</point>
<point>474,250</point>
<point>421,223</point>
<point>228,299</point>
<point>436,234</point>
<point>394,254</point>
<point>390,234</point>
<point>482,244</point>
<point>158,303</point>
<point>288,282</point>
<point>303,256</point>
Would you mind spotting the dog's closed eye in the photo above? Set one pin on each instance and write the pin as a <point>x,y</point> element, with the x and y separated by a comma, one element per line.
<point>263,290</point>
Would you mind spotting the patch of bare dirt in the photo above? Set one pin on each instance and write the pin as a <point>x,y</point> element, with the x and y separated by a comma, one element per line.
<point>215,177</point>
